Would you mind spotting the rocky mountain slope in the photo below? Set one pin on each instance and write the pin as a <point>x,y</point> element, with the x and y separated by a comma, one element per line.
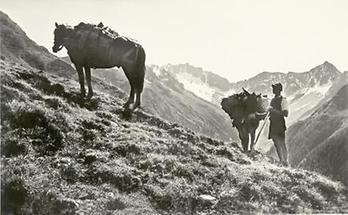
<point>65,155</point>
<point>204,84</point>
<point>303,90</point>
<point>333,90</point>
<point>320,142</point>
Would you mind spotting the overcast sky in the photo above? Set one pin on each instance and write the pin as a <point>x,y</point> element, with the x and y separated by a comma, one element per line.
<point>236,39</point>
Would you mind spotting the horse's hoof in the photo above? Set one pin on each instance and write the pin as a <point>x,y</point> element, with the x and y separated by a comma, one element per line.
<point>136,105</point>
<point>140,108</point>
<point>127,113</point>
<point>285,164</point>
<point>126,105</point>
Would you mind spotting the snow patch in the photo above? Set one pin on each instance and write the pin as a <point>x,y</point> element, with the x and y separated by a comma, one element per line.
<point>310,97</point>
<point>196,86</point>
<point>157,71</point>
<point>230,92</point>
<point>321,89</point>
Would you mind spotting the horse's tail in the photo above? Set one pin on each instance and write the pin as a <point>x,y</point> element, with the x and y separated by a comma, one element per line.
<point>141,69</point>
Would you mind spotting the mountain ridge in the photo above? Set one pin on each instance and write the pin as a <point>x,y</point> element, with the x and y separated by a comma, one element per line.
<point>304,90</point>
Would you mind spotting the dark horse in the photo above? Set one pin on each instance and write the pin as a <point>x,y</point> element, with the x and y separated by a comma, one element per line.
<point>242,109</point>
<point>91,46</point>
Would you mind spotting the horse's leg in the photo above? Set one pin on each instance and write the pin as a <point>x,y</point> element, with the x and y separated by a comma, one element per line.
<point>88,80</point>
<point>246,142</point>
<point>81,79</point>
<point>140,76</point>
<point>254,123</point>
<point>131,97</point>
<point>252,139</point>
<point>132,88</point>
<point>138,98</point>
<point>139,85</point>
<point>244,137</point>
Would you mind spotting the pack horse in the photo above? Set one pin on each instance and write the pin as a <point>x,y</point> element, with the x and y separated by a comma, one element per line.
<point>246,110</point>
<point>95,46</point>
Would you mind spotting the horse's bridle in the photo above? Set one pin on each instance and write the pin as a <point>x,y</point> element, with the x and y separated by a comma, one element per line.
<point>63,40</point>
<point>59,48</point>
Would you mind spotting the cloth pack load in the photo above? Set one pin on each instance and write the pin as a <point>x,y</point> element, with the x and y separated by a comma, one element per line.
<point>262,107</point>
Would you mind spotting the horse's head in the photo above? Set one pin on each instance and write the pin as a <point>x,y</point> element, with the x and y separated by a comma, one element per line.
<point>232,105</point>
<point>60,34</point>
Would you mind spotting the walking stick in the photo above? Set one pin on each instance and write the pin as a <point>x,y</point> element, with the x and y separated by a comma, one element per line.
<point>264,123</point>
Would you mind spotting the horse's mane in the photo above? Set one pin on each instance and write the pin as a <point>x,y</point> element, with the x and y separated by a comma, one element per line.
<point>100,28</point>
<point>65,26</point>
<point>84,26</point>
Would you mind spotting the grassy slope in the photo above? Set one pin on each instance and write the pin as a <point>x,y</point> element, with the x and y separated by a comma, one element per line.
<point>330,157</point>
<point>62,155</point>
<point>322,143</point>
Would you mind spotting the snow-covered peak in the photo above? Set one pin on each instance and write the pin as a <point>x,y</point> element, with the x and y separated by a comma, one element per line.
<point>323,74</point>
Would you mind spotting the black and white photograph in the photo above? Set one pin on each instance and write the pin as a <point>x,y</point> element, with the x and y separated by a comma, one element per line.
<point>173,107</point>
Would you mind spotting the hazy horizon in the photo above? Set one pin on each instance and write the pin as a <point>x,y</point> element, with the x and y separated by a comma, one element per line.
<point>234,39</point>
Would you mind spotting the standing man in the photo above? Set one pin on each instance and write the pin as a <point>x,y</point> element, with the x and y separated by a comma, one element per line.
<point>278,111</point>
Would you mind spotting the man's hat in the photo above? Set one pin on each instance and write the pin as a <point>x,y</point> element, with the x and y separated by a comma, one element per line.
<point>277,86</point>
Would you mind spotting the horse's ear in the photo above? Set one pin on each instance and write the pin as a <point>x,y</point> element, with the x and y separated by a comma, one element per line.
<point>56,25</point>
<point>245,91</point>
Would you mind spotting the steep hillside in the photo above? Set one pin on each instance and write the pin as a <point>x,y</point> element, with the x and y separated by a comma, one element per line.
<point>320,142</point>
<point>165,97</point>
<point>64,155</point>
<point>17,47</point>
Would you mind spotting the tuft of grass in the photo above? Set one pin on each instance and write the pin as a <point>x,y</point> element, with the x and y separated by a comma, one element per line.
<point>14,195</point>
